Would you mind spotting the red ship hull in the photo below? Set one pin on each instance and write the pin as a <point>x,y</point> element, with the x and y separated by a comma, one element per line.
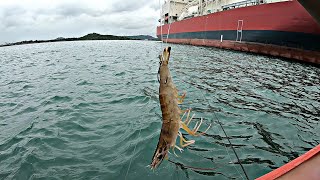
<point>282,29</point>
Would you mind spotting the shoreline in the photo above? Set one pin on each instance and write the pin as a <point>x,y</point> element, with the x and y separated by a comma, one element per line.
<point>88,37</point>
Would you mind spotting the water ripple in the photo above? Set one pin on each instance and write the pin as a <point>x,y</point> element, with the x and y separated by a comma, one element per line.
<point>85,110</point>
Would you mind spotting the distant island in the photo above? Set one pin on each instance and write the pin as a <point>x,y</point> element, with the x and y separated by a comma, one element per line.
<point>91,36</point>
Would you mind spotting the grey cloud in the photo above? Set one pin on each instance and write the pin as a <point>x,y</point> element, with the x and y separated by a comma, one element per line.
<point>12,10</point>
<point>125,6</point>
<point>68,10</point>
<point>14,16</point>
<point>155,5</point>
<point>73,20</point>
<point>71,10</point>
<point>76,10</point>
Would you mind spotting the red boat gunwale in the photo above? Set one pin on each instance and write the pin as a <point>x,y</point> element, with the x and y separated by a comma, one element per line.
<point>287,168</point>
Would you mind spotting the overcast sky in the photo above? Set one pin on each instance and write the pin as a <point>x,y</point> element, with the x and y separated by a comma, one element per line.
<point>49,19</point>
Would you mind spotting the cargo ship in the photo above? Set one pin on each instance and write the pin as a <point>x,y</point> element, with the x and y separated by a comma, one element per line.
<point>272,27</point>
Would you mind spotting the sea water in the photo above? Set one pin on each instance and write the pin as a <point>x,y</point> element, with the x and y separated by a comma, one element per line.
<point>90,110</point>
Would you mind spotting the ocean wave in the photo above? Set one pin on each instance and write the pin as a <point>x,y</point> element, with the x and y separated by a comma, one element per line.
<point>84,112</point>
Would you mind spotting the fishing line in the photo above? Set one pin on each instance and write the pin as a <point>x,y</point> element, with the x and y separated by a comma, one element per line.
<point>161,25</point>
<point>222,139</point>
<point>219,122</point>
<point>195,168</point>
<point>135,146</point>
<point>143,117</point>
<point>209,104</point>
<point>224,145</point>
<point>169,20</point>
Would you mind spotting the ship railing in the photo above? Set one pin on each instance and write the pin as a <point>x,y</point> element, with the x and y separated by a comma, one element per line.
<point>242,3</point>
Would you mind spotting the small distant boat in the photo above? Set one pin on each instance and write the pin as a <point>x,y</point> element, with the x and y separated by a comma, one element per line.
<point>282,28</point>
<point>307,166</point>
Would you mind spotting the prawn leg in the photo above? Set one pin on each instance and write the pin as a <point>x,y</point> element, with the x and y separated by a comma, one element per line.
<point>187,121</point>
<point>194,131</point>
<point>180,149</point>
<point>182,140</point>
<point>181,98</point>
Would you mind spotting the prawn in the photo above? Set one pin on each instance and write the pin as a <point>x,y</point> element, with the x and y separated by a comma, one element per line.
<point>171,120</point>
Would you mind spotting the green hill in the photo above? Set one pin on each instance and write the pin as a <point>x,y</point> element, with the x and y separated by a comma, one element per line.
<point>143,37</point>
<point>96,36</point>
<point>91,36</point>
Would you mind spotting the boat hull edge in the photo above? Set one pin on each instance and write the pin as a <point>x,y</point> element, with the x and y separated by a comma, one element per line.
<point>266,49</point>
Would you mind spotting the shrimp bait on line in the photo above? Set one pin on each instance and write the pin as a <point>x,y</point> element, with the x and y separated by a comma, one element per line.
<point>171,120</point>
